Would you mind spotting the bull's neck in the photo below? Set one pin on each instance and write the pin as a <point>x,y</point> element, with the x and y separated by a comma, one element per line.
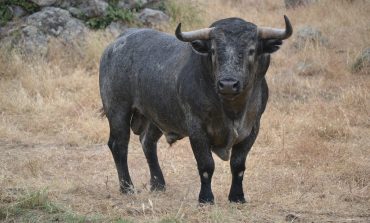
<point>235,109</point>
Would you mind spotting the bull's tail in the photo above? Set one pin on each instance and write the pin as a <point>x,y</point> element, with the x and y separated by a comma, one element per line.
<point>102,113</point>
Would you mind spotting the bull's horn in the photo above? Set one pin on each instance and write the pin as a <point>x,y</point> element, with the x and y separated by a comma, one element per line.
<point>273,33</point>
<point>200,34</point>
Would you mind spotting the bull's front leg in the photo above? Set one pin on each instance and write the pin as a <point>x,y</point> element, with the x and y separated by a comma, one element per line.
<point>237,164</point>
<point>202,152</point>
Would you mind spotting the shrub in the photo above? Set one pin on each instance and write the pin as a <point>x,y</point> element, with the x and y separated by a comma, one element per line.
<point>113,14</point>
<point>6,13</point>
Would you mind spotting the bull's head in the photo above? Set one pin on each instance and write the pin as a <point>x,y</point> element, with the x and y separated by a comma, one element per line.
<point>235,48</point>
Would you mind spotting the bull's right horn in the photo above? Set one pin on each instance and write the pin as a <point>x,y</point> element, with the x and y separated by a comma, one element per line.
<point>200,34</point>
<point>273,33</point>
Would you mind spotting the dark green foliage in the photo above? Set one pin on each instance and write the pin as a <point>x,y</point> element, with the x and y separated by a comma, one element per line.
<point>6,14</point>
<point>29,6</point>
<point>113,14</point>
<point>113,2</point>
<point>160,5</point>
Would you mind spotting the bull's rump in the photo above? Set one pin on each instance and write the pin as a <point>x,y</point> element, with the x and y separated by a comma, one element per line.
<point>140,69</point>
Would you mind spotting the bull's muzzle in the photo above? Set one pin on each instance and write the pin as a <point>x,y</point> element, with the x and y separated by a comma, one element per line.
<point>228,87</point>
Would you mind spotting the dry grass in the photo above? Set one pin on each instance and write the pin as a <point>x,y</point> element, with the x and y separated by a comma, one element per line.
<point>311,161</point>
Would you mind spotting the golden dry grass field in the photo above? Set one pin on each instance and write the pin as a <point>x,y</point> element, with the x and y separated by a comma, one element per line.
<point>310,163</point>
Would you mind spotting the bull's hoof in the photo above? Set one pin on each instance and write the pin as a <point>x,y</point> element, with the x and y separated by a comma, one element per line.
<point>127,190</point>
<point>237,199</point>
<point>206,200</point>
<point>158,187</point>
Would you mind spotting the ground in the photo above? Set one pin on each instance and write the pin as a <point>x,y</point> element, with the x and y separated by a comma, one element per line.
<point>310,163</point>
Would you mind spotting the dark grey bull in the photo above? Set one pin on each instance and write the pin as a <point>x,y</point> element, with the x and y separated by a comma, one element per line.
<point>206,84</point>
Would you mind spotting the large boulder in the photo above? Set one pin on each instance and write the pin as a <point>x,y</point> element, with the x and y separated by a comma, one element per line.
<point>87,8</point>
<point>56,22</point>
<point>94,8</point>
<point>151,17</point>
<point>33,36</point>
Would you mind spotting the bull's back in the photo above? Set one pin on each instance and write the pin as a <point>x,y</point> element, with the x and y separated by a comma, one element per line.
<point>140,69</point>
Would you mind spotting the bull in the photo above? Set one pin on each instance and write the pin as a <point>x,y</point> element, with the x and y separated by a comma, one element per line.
<point>208,85</point>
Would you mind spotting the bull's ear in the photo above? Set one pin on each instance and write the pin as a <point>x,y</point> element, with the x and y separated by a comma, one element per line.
<point>271,45</point>
<point>200,47</point>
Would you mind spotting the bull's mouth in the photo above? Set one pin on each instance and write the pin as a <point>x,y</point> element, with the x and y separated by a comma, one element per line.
<point>229,97</point>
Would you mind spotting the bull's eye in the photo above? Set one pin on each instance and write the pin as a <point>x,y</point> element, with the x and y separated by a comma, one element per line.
<point>251,52</point>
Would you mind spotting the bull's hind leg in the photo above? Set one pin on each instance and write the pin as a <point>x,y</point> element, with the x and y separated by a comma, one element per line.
<point>149,139</point>
<point>119,123</point>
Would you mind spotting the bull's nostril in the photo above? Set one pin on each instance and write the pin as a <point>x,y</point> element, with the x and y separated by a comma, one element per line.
<point>220,85</point>
<point>236,85</point>
<point>228,86</point>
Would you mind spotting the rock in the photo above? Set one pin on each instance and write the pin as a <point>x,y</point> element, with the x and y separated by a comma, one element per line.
<point>44,3</point>
<point>362,62</point>
<point>18,11</point>
<point>116,28</point>
<point>33,41</point>
<point>308,34</point>
<point>131,4</point>
<point>94,8</point>
<point>33,36</point>
<point>67,3</point>
<point>75,12</point>
<point>56,22</point>
<point>152,17</point>
<point>296,3</point>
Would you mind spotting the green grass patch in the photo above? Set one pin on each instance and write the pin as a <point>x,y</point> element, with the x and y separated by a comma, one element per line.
<point>170,220</point>
<point>37,207</point>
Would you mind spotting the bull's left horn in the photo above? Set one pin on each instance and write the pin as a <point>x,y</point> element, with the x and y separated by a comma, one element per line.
<point>200,34</point>
<point>273,33</point>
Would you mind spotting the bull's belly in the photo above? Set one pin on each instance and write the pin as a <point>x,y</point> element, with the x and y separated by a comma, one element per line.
<point>172,129</point>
